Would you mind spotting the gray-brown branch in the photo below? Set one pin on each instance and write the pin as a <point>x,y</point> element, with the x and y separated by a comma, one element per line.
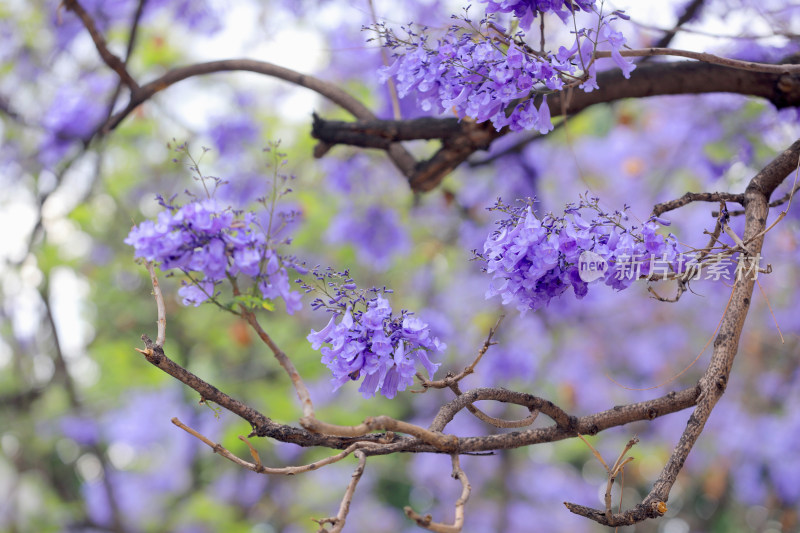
<point>715,379</point>
<point>460,139</point>
<point>566,426</point>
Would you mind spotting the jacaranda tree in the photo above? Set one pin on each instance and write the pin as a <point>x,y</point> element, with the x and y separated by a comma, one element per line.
<point>523,265</point>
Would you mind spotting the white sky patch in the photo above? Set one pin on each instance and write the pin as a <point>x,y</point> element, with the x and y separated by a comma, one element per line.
<point>17,218</point>
<point>68,293</point>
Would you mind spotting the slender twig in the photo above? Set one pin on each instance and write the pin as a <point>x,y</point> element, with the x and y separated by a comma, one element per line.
<point>450,379</point>
<point>689,197</point>
<point>402,159</point>
<point>426,522</point>
<point>385,58</point>
<point>690,11</point>
<point>283,360</point>
<point>615,470</point>
<point>744,37</point>
<point>338,521</point>
<point>260,468</point>
<point>63,375</point>
<point>162,313</point>
<point>137,17</point>
<point>498,422</point>
<point>704,57</point>
<point>775,203</point>
<point>114,62</point>
<point>286,363</point>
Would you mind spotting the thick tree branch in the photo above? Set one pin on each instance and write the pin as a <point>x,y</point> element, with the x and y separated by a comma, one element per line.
<point>715,379</point>
<point>462,138</point>
<point>392,443</point>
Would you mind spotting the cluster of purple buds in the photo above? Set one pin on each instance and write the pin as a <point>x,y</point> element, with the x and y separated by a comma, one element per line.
<point>210,243</point>
<point>489,76</point>
<point>533,260</point>
<point>368,343</point>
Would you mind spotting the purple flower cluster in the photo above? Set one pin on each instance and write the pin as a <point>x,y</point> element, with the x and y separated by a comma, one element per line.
<point>486,77</point>
<point>478,79</point>
<point>526,10</point>
<point>376,233</point>
<point>73,115</point>
<point>370,343</point>
<point>202,237</point>
<point>533,260</point>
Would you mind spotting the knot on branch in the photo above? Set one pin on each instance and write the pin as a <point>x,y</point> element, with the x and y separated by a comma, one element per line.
<point>152,352</point>
<point>788,85</point>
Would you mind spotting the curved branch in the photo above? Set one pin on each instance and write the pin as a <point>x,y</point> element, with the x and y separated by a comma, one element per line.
<point>426,522</point>
<point>707,58</point>
<point>392,443</point>
<point>460,139</point>
<point>173,76</point>
<point>715,379</point>
<point>115,63</point>
<point>403,160</point>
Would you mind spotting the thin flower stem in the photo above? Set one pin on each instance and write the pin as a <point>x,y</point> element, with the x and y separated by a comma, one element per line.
<point>162,314</point>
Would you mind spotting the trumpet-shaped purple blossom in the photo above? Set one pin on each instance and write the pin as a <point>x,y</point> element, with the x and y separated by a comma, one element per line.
<point>370,344</point>
<point>205,238</point>
<point>486,77</point>
<point>527,10</point>
<point>533,260</point>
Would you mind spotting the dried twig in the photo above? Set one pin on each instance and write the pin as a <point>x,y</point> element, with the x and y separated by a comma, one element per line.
<point>260,468</point>
<point>498,422</point>
<point>162,313</point>
<point>283,360</point>
<point>615,470</point>
<point>280,355</point>
<point>115,63</point>
<point>690,197</point>
<point>704,57</point>
<point>338,521</point>
<point>450,379</point>
<point>426,522</point>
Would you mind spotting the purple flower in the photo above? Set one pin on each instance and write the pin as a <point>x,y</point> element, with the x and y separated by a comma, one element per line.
<point>527,10</point>
<point>203,238</point>
<point>376,233</point>
<point>194,295</point>
<point>232,135</point>
<point>371,345</point>
<point>616,40</point>
<point>73,115</point>
<point>470,75</point>
<point>533,261</point>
